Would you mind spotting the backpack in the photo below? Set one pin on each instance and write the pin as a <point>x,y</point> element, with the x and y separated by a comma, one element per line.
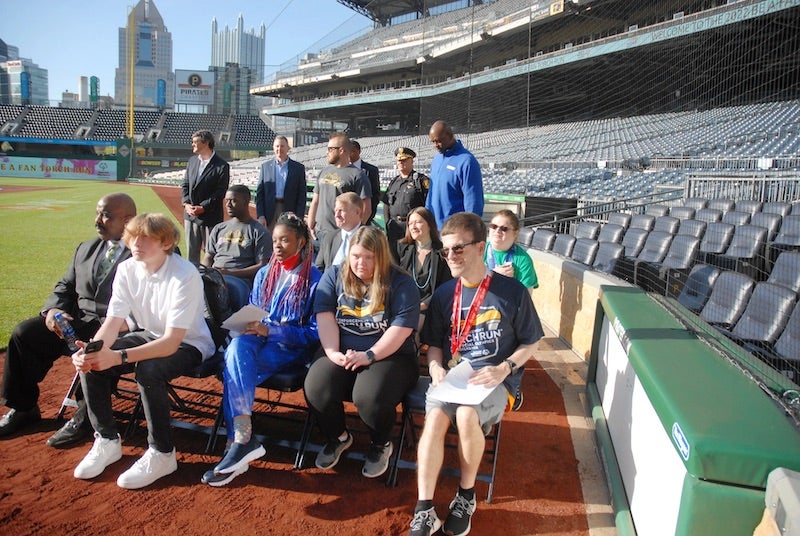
<point>217,302</point>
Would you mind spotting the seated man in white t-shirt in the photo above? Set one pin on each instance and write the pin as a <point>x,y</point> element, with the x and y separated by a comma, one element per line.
<point>164,294</point>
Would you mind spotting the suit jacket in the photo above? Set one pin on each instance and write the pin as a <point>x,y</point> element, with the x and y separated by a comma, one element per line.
<point>331,243</point>
<point>78,293</point>
<point>207,191</point>
<point>294,195</point>
<point>375,183</point>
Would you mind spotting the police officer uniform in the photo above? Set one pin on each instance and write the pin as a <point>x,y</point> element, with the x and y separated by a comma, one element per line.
<point>402,195</point>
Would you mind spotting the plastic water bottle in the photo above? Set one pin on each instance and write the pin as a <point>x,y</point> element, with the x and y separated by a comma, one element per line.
<point>67,331</point>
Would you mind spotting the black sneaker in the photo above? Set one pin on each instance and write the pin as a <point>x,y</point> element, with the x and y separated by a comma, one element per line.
<point>240,455</point>
<point>328,457</point>
<point>425,523</point>
<point>518,398</point>
<point>212,478</point>
<point>459,520</point>
<point>377,460</point>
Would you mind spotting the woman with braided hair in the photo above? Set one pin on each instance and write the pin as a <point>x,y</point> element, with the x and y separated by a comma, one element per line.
<point>285,337</point>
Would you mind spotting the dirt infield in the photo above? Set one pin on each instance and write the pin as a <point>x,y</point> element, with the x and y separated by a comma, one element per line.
<point>538,488</point>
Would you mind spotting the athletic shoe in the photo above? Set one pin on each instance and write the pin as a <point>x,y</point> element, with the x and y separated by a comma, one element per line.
<point>104,452</point>
<point>518,399</point>
<point>149,468</point>
<point>75,430</point>
<point>459,520</point>
<point>16,419</point>
<point>329,456</point>
<point>240,455</point>
<point>425,523</point>
<point>212,478</point>
<point>377,460</point>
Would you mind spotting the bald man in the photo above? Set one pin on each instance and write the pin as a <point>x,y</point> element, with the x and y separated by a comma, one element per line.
<point>456,180</point>
<point>82,296</point>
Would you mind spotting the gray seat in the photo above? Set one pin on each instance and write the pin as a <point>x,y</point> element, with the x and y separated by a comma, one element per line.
<point>654,250</point>
<point>776,207</point>
<point>745,253</point>
<point>695,202</point>
<point>786,271</point>
<point>682,212</point>
<point>642,221</point>
<point>789,234</point>
<point>749,205</point>
<point>723,205</point>
<point>668,275</point>
<point>656,210</point>
<point>633,241</point>
<point>543,239</point>
<point>735,217</point>
<point>728,299</point>
<point>708,215</point>
<point>716,239</point>
<point>695,228</point>
<point>611,232</point>
<point>667,224</point>
<point>587,229</point>
<point>698,286</point>
<point>765,316</point>
<point>771,222</point>
<point>608,253</point>
<point>622,219</point>
<point>563,244</point>
<point>584,251</point>
<point>525,236</point>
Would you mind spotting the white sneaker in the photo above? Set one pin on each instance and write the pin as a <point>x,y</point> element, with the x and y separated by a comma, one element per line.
<point>147,469</point>
<point>104,452</point>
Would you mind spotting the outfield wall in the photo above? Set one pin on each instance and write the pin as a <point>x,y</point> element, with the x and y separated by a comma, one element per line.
<point>29,167</point>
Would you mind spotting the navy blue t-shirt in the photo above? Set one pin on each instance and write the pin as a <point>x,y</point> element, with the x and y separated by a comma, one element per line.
<point>506,319</point>
<point>358,329</point>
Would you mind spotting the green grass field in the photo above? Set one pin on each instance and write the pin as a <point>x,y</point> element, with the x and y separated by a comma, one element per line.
<point>40,230</point>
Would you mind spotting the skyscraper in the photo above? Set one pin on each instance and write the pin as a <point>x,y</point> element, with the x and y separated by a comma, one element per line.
<point>153,78</point>
<point>236,45</point>
<point>21,80</point>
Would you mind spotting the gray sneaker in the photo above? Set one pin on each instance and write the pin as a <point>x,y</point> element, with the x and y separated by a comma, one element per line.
<point>329,456</point>
<point>425,523</point>
<point>459,520</point>
<point>377,460</point>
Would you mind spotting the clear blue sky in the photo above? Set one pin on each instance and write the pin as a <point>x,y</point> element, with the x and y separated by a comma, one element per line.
<point>80,38</point>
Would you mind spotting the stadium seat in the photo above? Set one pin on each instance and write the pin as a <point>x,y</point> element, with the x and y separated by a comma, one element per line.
<point>611,232</point>
<point>622,219</point>
<point>682,212</point>
<point>642,221</point>
<point>563,244</point>
<point>608,253</point>
<point>771,222</point>
<point>784,354</point>
<point>786,271</point>
<point>654,250</point>
<point>525,236</point>
<point>765,316</point>
<point>696,203</point>
<point>736,218</point>
<point>668,276</point>
<point>708,215</point>
<point>543,239</point>
<point>788,236</point>
<point>584,251</point>
<point>777,207</point>
<point>728,299</point>
<point>695,228</point>
<point>716,240</point>
<point>751,206</point>
<point>633,241</point>
<point>745,253</point>
<point>656,210</point>
<point>667,224</point>
<point>723,205</point>
<point>587,229</point>
<point>698,286</point>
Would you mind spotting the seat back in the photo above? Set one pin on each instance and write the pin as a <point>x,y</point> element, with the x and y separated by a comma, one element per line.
<point>633,241</point>
<point>525,236</point>
<point>695,202</point>
<point>585,250</point>
<point>750,206</point>
<point>655,247</point>
<point>695,228</point>
<point>608,253</point>
<point>642,221</point>
<point>728,299</point>
<point>789,233</point>
<point>788,344</point>
<point>622,219</point>
<point>563,244</point>
<point>699,284</point>
<point>786,271</point>
<point>656,210</point>
<point>667,224</point>
<point>776,207</point>
<point>748,241</point>
<point>723,205</point>
<point>682,252</point>
<point>708,215</point>
<point>543,239</point>
<point>735,217</point>
<point>217,303</point>
<point>611,232</point>
<point>770,222</point>
<point>766,314</point>
<point>717,237</point>
<point>682,212</point>
<point>587,229</point>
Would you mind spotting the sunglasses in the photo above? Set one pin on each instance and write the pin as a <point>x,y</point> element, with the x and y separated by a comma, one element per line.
<point>502,228</point>
<point>457,250</point>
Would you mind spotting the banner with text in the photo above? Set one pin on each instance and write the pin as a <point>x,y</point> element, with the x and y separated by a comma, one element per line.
<point>57,168</point>
<point>194,87</point>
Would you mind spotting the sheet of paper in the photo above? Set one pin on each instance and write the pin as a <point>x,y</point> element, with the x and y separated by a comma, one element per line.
<point>238,321</point>
<point>455,387</point>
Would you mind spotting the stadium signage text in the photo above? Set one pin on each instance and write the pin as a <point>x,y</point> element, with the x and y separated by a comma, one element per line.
<point>194,87</point>
<point>57,168</point>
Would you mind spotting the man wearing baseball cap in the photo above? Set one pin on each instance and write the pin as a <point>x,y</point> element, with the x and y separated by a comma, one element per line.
<point>407,190</point>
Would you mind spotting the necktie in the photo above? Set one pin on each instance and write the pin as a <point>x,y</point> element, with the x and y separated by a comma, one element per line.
<point>108,261</point>
<point>342,253</point>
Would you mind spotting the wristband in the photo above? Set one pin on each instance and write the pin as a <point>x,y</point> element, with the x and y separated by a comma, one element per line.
<point>123,353</point>
<point>511,365</point>
<point>370,356</point>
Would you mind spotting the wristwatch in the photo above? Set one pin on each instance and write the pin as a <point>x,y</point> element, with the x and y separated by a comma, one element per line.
<point>123,354</point>
<point>511,365</point>
<point>370,356</point>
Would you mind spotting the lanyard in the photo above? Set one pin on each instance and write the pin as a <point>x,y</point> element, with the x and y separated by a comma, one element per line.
<point>459,335</point>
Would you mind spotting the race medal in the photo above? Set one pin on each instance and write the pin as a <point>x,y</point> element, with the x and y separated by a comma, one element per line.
<point>457,334</point>
<point>455,360</point>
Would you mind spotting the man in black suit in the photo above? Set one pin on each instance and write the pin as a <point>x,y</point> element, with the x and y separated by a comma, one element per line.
<point>372,173</point>
<point>281,186</point>
<point>82,296</point>
<point>347,210</point>
<point>204,187</point>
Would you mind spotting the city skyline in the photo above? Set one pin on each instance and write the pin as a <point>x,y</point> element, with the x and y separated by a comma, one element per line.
<point>292,29</point>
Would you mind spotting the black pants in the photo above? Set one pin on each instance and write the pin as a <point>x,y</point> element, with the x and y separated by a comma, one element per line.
<point>32,350</point>
<point>152,377</point>
<point>375,390</point>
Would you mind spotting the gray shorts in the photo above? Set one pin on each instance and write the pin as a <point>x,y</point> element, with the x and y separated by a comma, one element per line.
<point>490,411</point>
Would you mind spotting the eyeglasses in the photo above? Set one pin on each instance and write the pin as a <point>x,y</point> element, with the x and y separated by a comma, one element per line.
<point>501,228</point>
<point>333,149</point>
<point>457,250</point>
